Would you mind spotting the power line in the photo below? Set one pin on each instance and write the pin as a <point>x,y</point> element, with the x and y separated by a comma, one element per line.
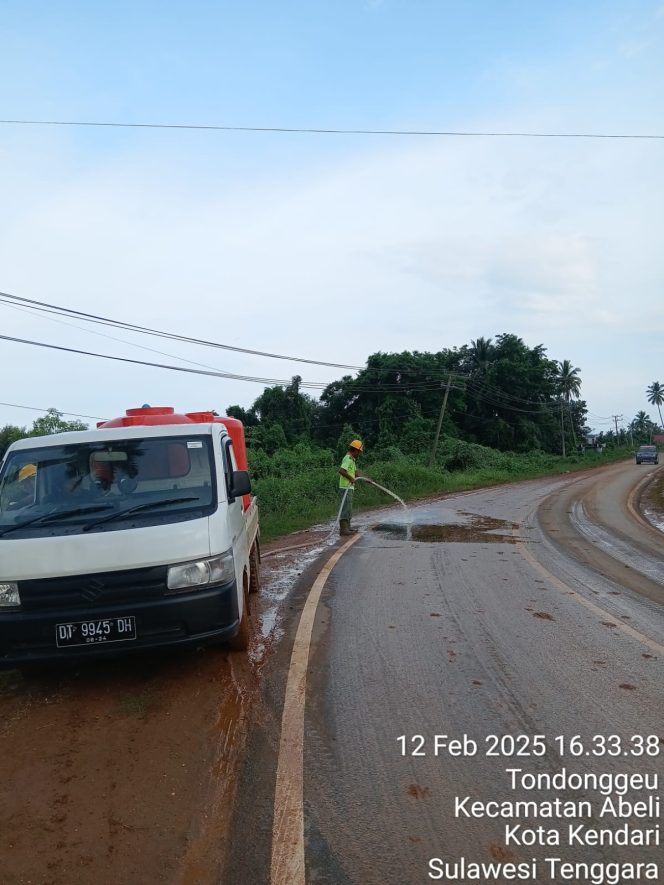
<point>17,302</point>
<point>479,387</point>
<point>122,359</point>
<point>45,307</point>
<point>37,409</point>
<point>488,393</point>
<point>51,319</point>
<point>498,403</point>
<point>302,130</point>
<point>384,388</point>
<point>313,385</point>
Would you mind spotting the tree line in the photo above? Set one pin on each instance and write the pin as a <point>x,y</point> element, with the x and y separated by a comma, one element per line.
<point>501,393</point>
<point>498,393</point>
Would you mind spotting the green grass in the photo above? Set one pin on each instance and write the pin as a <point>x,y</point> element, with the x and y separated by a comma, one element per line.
<point>305,499</point>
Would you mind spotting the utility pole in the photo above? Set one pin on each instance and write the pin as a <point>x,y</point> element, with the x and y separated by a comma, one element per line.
<point>562,427</point>
<point>617,418</point>
<point>432,457</point>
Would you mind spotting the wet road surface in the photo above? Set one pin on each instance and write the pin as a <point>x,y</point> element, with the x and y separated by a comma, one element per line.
<point>484,617</point>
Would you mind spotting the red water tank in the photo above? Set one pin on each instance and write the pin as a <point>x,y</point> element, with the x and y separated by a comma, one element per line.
<point>147,415</point>
<point>156,415</point>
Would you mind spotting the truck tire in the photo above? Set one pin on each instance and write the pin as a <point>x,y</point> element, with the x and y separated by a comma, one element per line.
<point>255,569</point>
<point>242,639</point>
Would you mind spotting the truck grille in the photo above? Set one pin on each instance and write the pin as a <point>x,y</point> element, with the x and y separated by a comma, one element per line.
<point>104,588</point>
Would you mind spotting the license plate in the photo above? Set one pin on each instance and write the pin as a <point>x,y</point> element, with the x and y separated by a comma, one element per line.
<point>95,632</point>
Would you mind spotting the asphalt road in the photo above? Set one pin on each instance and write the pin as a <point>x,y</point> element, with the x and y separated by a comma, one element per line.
<point>523,610</point>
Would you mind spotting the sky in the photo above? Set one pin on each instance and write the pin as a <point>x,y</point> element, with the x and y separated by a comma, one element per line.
<point>328,247</point>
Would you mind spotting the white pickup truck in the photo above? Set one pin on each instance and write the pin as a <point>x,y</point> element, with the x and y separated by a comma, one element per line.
<point>136,535</point>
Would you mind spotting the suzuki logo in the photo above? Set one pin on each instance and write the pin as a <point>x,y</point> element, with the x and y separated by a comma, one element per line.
<point>93,589</point>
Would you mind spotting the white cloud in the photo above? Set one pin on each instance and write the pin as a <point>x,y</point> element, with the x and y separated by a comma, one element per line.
<point>409,245</point>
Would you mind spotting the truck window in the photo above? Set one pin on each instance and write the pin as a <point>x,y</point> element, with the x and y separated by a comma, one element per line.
<point>109,475</point>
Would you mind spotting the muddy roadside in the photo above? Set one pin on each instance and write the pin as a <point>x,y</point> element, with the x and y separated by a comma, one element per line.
<point>110,771</point>
<point>124,770</point>
<point>651,501</point>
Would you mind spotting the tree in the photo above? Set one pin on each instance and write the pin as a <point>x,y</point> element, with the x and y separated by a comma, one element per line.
<point>569,382</point>
<point>52,422</point>
<point>511,395</point>
<point>286,406</point>
<point>8,435</point>
<point>246,416</point>
<point>569,388</point>
<point>642,427</point>
<point>481,353</point>
<point>655,394</point>
<point>392,389</point>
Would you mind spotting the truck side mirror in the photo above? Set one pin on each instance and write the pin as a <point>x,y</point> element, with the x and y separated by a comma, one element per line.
<point>240,484</point>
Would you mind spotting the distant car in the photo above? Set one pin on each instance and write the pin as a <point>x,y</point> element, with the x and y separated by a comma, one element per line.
<point>647,455</point>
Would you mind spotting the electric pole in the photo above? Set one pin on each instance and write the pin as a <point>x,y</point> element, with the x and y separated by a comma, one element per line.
<point>616,418</point>
<point>562,427</point>
<point>432,457</point>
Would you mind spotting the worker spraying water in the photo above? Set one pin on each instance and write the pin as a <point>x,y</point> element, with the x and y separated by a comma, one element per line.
<point>349,475</point>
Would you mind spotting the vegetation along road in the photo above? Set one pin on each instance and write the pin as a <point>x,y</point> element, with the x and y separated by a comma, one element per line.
<point>529,609</point>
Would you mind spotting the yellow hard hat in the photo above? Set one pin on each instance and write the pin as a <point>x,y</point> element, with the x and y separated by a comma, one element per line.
<point>357,444</point>
<point>26,472</point>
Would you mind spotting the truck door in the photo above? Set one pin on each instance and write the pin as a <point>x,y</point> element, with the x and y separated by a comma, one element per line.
<point>236,518</point>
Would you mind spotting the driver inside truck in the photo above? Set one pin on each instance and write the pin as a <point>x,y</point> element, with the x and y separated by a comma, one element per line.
<point>63,481</point>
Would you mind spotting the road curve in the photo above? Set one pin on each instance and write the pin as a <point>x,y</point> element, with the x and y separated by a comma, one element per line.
<point>528,609</point>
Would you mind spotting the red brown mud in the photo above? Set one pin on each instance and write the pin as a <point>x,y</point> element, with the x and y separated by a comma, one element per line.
<point>418,792</point>
<point>500,853</point>
<point>120,771</point>
<point>125,770</point>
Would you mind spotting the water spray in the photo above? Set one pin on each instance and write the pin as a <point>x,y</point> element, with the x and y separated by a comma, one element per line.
<point>341,507</point>
<point>396,498</point>
<point>387,492</point>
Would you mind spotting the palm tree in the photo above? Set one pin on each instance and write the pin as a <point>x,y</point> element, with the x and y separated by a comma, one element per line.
<point>481,353</point>
<point>655,394</point>
<point>642,425</point>
<point>569,382</point>
<point>569,387</point>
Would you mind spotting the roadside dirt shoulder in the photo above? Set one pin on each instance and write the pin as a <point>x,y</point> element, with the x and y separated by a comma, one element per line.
<point>115,772</point>
<point>651,501</point>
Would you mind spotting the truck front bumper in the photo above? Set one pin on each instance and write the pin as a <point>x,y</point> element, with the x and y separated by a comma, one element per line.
<point>198,617</point>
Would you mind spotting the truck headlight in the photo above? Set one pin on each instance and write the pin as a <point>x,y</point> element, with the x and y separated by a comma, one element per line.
<point>200,573</point>
<point>9,595</point>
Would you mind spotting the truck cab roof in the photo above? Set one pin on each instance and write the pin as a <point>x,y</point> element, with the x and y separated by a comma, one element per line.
<point>76,437</point>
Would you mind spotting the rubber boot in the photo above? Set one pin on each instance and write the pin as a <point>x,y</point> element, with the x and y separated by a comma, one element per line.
<point>351,530</point>
<point>344,527</point>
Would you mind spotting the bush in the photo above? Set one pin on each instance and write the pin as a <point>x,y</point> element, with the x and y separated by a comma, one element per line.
<point>297,487</point>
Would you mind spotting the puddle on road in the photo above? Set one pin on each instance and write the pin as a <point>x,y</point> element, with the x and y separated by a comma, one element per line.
<point>476,530</point>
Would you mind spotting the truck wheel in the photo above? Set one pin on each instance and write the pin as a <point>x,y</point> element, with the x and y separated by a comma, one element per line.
<point>241,640</point>
<point>255,570</point>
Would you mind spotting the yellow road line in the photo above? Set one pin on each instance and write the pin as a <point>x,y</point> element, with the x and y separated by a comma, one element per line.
<point>287,867</point>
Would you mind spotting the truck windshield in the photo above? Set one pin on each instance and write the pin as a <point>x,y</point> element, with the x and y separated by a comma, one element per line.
<point>56,489</point>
